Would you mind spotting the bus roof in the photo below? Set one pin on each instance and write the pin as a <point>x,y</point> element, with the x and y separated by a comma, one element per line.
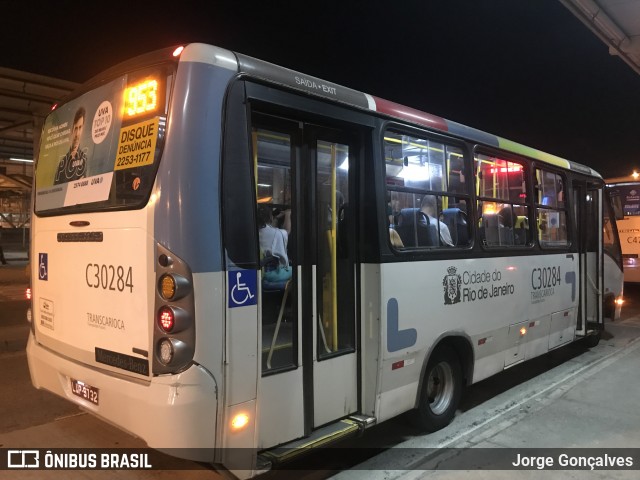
<point>630,179</point>
<point>338,93</point>
<point>271,73</point>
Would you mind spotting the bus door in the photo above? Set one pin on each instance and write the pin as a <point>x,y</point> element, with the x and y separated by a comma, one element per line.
<point>587,207</point>
<point>309,360</point>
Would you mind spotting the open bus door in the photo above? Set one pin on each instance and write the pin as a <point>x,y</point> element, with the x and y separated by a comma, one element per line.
<point>308,385</point>
<point>587,204</point>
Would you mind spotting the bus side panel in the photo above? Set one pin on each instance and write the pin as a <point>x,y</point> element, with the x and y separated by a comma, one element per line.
<point>209,294</point>
<point>487,300</point>
<point>370,336</point>
<point>189,176</point>
<point>189,184</point>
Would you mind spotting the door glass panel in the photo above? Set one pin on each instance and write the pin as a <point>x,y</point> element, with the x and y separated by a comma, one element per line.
<point>592,243</point>
<point>272,160</point>
<point>333,278</point>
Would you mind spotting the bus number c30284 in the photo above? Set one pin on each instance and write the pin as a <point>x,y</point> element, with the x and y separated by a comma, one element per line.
<point>109,277</point>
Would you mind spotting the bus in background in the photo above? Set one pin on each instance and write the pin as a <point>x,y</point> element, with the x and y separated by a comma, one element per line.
<point>237,262</point>
<point>614,275</point>
<point>625,196</point>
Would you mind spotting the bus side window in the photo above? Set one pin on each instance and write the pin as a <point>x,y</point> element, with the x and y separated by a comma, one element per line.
<point>503,216</point>
<point>427,196</point>
<point>550,210</point>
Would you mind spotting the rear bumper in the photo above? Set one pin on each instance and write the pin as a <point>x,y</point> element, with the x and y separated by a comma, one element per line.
<point>170,412</point>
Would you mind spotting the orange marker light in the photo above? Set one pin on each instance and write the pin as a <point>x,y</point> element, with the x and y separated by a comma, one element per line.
<point>240,421</point>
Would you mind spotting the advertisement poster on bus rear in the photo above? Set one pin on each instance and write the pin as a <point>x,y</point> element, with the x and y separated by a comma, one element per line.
<point>630,195</point>
<point>77,149</point>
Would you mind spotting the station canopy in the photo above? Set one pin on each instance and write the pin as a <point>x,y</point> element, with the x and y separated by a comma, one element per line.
<point>615,22</point>
<point>25,100</point>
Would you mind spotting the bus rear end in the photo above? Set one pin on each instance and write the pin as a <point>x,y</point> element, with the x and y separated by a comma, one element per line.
<point>113,317</point>
<point>625,194</point>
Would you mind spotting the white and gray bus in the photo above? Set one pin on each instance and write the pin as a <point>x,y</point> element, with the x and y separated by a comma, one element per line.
<point>625,195</point>
<point>416,256</point>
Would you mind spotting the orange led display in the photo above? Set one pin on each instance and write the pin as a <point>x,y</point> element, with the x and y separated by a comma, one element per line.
<point>141,98</point>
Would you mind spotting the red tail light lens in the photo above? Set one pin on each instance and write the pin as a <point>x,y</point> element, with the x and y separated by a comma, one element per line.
<point>166,319</point>
<point>27,293</point>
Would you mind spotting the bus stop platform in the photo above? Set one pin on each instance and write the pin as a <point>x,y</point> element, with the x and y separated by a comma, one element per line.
<point>581,413</point>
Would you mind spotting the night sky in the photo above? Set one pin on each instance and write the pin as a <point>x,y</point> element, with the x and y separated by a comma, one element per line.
<point>528,70</point>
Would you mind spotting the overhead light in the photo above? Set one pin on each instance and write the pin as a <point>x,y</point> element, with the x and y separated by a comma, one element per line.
<point>23,160</point>
<point>415,173</point>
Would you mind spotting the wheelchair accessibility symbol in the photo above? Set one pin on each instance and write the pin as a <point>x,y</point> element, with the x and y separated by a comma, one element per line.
<point>43,266</point>
<point>242,288</point>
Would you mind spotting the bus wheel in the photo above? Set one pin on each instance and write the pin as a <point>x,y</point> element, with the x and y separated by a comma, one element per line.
<point>441,390</point>
<point>591,341</point>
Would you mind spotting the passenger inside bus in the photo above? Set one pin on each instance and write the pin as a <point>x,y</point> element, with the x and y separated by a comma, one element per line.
<point>415,229</point>
<point>456,220</point>
<point>273,247</point>
<point>516,226</point>
<point>428,206</point>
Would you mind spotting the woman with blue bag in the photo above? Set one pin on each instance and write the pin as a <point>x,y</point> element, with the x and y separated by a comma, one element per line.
<point>273,245</point>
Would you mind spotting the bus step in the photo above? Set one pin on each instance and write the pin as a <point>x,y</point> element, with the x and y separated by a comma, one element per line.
<point>319,438</point>
<point>365,421</point>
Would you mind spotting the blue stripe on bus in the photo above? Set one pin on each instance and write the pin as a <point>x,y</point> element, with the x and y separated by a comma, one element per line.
<point>398,339</point>
<point>189,173</point>
<point>472,133</point>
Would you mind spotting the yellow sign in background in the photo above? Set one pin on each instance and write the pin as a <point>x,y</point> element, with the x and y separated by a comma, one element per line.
<point>137,145</point>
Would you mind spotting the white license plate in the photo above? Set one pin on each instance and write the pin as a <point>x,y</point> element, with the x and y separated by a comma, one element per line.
<point>86,391</point>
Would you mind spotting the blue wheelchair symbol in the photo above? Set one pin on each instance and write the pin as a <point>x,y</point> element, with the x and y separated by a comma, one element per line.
<point>242,288</point>
<point>43,266</point>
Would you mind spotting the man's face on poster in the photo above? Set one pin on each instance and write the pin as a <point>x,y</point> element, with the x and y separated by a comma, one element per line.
<point>76,134</point>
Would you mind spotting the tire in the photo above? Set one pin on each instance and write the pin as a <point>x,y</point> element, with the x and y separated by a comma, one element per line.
<point>441,390</point>
<point>591,341</point>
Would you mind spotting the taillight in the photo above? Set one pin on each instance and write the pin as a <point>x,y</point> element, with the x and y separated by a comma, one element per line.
<point>166,319</point>
<point>173,286</point>
<point>174,334</point>
<point>28,296</point>
<point>165,351</point>
<point>171,352</point>
<point>173,319</point>
<point>167,287</point>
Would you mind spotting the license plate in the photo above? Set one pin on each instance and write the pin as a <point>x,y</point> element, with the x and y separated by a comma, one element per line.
<point>84,390</point>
